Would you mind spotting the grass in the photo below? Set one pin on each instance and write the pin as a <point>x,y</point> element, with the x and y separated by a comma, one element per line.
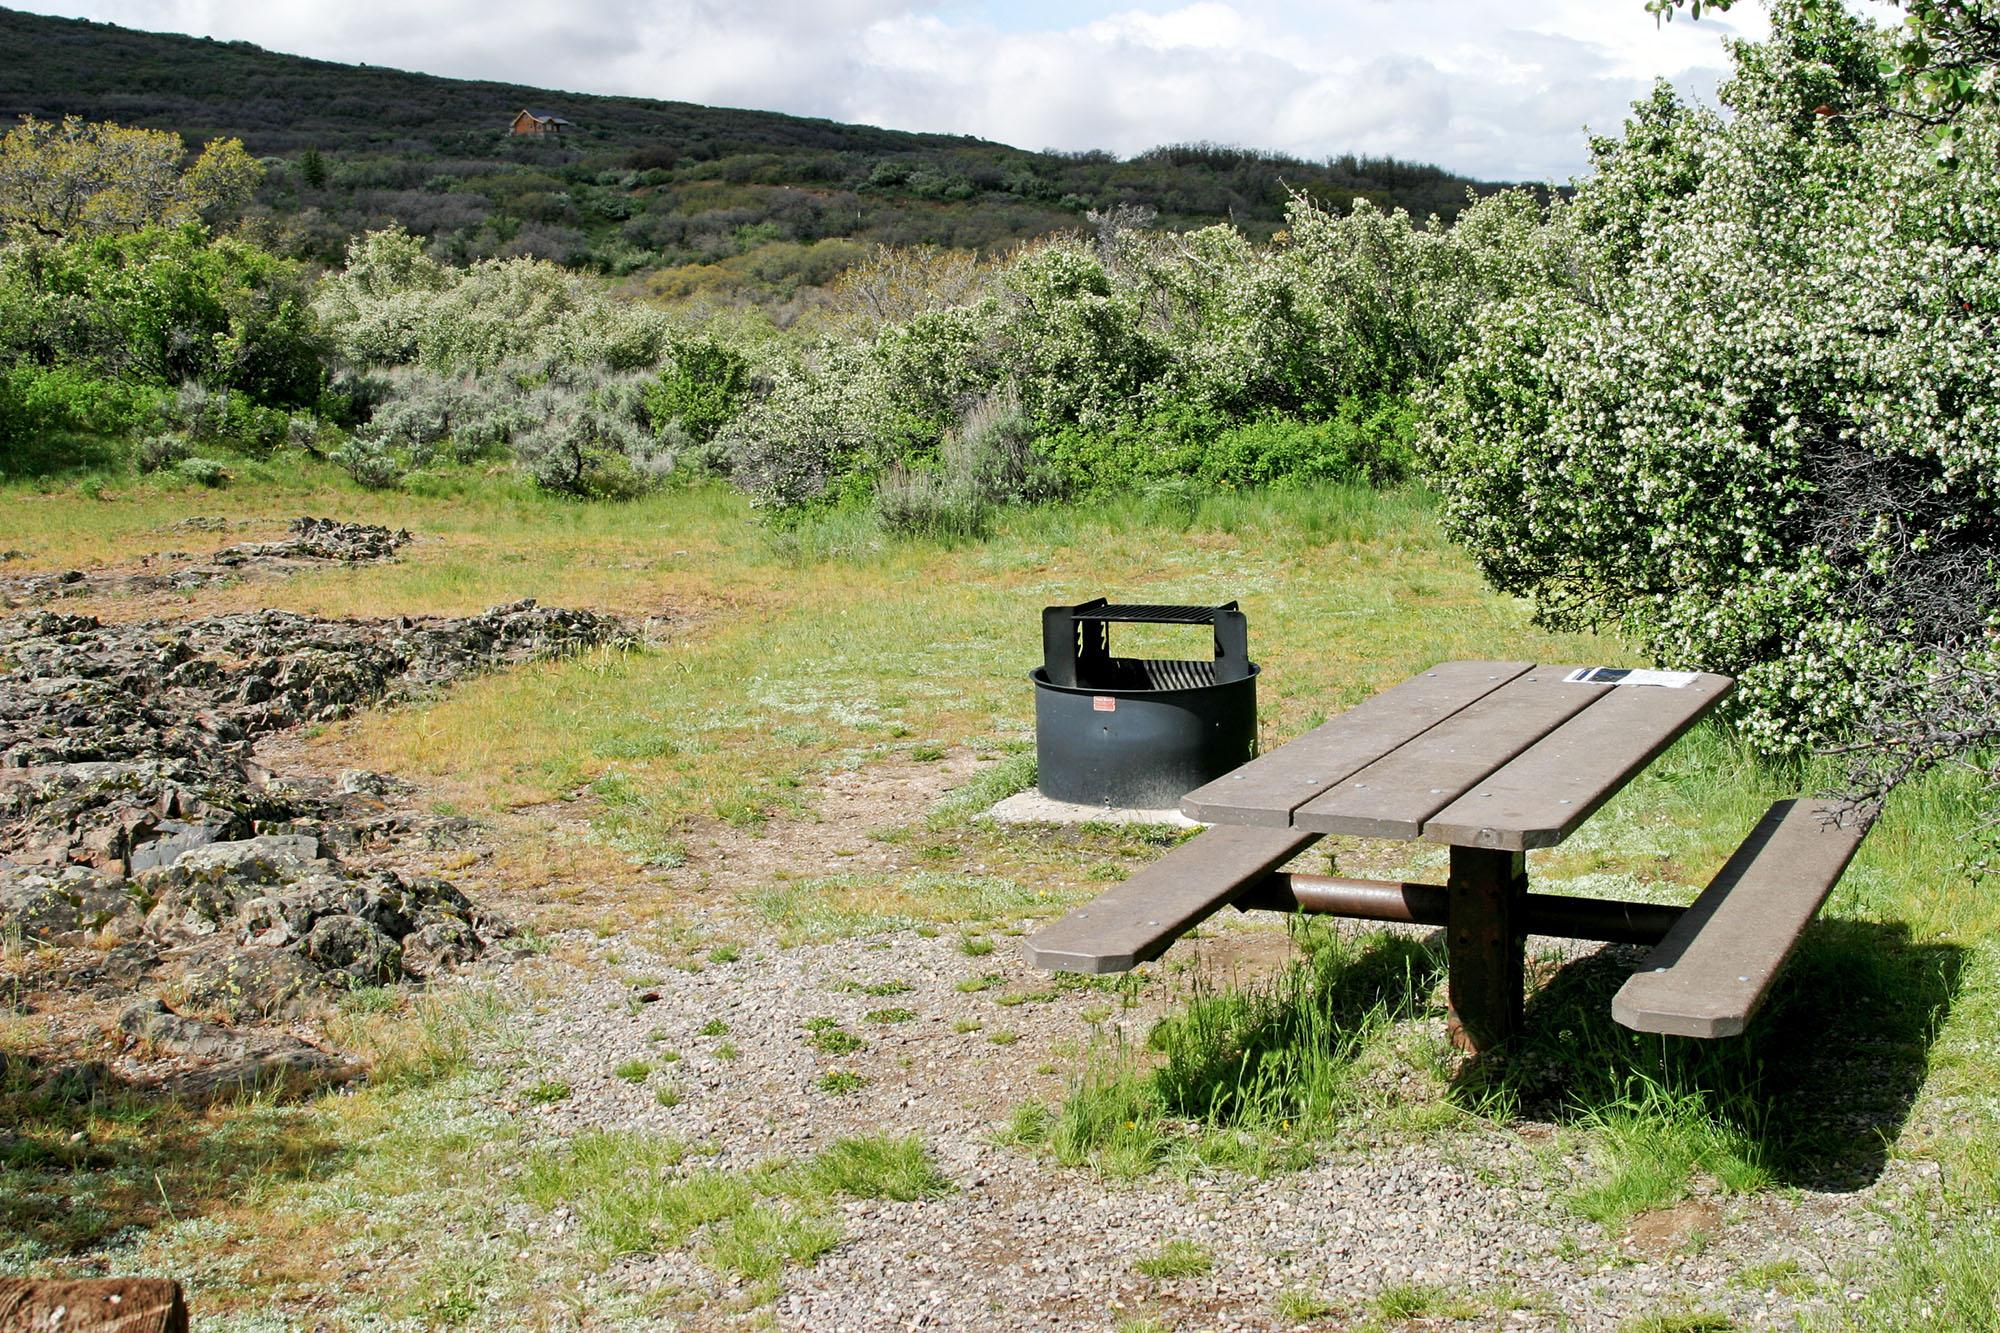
<point>1403,1301</point>
<point>1176,1258</point>
<point>828,1036</point>
<point>841,906</point>
<point>1297,1305</point>
<point>840,1081</point>
<point>789,659</point>
<point>1648,1151</point>
<point>878,989</point>
<point>413,1039</point>
<point>545,1093</point>
<point>1247,1077</point>
<point>1693,1321</point>
<point>634,1193</point>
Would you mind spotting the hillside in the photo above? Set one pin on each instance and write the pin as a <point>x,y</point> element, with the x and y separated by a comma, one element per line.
<point>692,200</point>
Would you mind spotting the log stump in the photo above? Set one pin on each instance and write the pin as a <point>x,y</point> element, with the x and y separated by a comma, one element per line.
<point>96,1305</point>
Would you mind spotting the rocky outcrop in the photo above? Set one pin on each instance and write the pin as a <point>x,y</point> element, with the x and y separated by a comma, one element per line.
<point>150,854</point>
<point>312,541</point>
<point>254,928</point>
<point>225,1060</point>
<point>124,745</point>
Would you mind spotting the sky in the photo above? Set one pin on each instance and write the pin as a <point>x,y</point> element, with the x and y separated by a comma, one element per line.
<point>1492,90</point>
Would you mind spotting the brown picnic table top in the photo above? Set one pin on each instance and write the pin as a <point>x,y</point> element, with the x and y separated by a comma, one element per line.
<point>1498,755</point>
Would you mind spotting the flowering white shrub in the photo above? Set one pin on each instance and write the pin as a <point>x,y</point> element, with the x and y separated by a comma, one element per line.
<point>375,306</point>
<point>1756,423</point>
<point>829,420</point>
<point>1074,340</point>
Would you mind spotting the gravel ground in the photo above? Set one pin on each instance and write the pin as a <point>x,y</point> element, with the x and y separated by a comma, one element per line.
<point>1024,1243</point>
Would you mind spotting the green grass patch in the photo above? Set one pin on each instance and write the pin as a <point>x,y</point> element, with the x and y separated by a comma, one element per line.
<point>828,1036</point>
<point>841,906</point>
<point>1176,1258</point>
<point>1405,1301</point>
<point>1684,1321</point>
<point>637,1194</point>
<point>878,989</point>
<point>1297,1305</point>
<point>545,1093</point>
<point>1247,1077</point>
<point>876,1167</point>
<point>1648,1153</point>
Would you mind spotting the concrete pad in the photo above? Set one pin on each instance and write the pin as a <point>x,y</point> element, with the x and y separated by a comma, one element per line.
<point>1031,807</point>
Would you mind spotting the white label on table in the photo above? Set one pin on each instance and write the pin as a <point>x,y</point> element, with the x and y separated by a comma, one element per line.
<point>1673,680</point>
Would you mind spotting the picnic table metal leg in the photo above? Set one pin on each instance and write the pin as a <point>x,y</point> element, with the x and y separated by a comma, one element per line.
<point>1486,944</point>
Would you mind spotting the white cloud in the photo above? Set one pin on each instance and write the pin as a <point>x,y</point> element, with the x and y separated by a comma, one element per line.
<point>1490,90</point>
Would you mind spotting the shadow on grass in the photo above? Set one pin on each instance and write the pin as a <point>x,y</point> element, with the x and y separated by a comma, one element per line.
<point>1818,1087</point>
<point>60,456</point>
<point>83,1156</point>
<point>1282,1053</point>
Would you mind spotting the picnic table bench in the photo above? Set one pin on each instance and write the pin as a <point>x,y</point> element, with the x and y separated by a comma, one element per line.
<point>1492,759</point>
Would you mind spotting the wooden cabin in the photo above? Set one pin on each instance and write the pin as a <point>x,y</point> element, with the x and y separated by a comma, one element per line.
<point>539,122</point>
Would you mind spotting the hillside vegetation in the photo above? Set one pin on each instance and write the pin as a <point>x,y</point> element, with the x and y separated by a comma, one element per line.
<point>731,203</point>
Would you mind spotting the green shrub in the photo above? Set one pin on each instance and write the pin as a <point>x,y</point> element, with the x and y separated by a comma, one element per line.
<point>40,400</point>
<point>394,305</point>
<point>428,417</point>
<point>371,463</point>
<point>1754,431</point>
<point>229,418</point>
<point>165,307</point>
<point>991,453</point>
<point>1127,454</point>
<point>1359,440</point>
<point>924,504</point>
<point>160,451</point>
<point>827,427</point>
<point>202,472</point>
<point>1081,348</point>
<point>586,439</point>
<point>702,388</point>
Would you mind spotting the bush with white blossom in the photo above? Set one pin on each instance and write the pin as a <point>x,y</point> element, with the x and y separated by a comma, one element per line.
<point>1753,422</point>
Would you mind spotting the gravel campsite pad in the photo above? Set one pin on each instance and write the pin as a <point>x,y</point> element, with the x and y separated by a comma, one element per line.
<point>1469,1219</point>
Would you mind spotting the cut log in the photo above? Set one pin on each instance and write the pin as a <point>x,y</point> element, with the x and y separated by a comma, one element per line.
<point>95,1305</point>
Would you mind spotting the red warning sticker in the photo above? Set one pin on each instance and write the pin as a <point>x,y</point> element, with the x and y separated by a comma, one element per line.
<point>1103,703</point>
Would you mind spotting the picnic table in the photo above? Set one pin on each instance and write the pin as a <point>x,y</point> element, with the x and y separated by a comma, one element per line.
<point>1491,759</point>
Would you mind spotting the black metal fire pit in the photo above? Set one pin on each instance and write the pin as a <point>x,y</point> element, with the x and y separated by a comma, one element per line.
<point>1133,732</point>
